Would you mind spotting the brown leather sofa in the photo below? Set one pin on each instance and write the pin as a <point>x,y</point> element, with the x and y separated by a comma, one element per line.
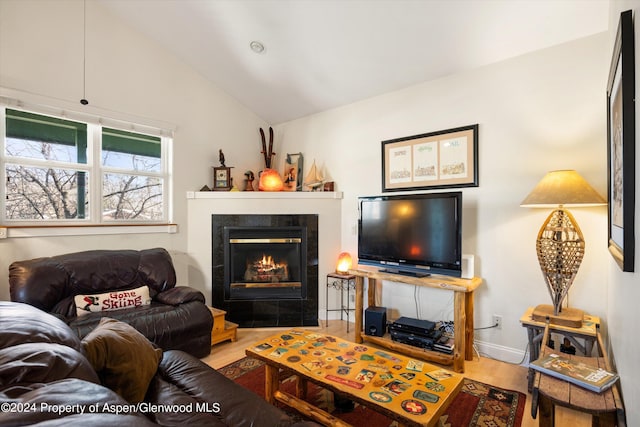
<point>46,380</point>
<point>176,319</point>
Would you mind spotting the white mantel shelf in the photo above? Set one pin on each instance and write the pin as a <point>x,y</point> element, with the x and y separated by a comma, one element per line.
<point>246,195</point>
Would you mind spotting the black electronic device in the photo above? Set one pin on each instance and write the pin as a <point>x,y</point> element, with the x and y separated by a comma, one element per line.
<point>444,344</point>
<point>413,326</point>
<point>375,321</point>
<point>413,340</point>
<point>414,234</point>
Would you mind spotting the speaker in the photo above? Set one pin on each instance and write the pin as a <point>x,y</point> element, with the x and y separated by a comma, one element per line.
<point>468,266</point>
<point>375,321</point>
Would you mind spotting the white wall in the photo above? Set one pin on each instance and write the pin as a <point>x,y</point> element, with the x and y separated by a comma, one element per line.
<point>538,112</point>
<point>624,288</point>
<point>128,76</point>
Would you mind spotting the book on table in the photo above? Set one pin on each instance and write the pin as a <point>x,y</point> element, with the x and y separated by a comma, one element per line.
<point>576,372</point>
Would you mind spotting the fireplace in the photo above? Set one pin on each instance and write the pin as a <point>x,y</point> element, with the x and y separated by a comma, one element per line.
<point>265,262</point>
<point>265,269</point>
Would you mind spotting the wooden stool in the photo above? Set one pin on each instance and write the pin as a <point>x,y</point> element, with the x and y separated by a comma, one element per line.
<point>605,408</point>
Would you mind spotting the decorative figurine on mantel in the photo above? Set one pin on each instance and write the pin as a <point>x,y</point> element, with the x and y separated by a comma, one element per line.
<point>221,158</point>
<point>249,180</point>
<point>314,179</point>
<point>222,180</point>
<point>270,179</point>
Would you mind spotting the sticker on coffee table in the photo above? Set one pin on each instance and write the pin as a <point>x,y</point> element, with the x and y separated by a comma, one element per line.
<point>262,347</point>
<point>347,382</point>
<point>347,360</point>
<point>293,359</point>
<point>344,370</point>
<point>387,356</point>
<point>278,352</point>
<point>408,375</point>
<point>415,365</point>
<point>314,364</point>
<point>439,374</point>
<point>360,348</point>
<point>426,396</point>
<point>365,375</point>
<point>396,387</point>
<point>286,337</point>
<point>379,396</point>
<point>414,407</point>
<point>433,386</point>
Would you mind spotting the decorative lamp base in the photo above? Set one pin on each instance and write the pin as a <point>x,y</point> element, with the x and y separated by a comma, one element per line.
<point>570,317</point>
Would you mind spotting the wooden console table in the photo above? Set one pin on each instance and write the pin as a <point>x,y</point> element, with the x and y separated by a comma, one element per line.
<point>462,314</point>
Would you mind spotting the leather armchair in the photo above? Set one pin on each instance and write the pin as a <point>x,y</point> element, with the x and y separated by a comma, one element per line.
<point>177,317</point>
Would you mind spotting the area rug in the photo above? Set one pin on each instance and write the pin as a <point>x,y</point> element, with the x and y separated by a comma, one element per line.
<point>477,404</point>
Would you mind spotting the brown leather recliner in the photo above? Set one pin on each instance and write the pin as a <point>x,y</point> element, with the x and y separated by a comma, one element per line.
<point>177,317</point>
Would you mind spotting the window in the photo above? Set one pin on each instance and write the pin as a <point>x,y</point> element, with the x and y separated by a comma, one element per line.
<point>59,170</point>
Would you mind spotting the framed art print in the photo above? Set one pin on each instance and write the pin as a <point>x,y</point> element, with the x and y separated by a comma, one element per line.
<point>621,137</point>
<point>442,159</point>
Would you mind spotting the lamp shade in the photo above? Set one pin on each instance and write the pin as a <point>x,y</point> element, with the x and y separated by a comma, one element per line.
<point>562,188</point>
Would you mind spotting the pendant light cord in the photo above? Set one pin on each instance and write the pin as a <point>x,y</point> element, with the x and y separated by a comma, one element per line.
<point>84,101</point>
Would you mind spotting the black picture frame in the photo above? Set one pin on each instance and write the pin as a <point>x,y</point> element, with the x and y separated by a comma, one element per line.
<point>435,160</point>
<point>621,153</point>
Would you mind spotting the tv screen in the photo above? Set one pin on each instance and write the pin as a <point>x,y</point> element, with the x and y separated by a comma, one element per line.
<point>415,234</point>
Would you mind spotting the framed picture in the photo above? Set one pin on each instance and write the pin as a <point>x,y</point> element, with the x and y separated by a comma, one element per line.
<point>221,178</point>
<point>443,159</point>
<point>293,172</point>
<point>621,136</point>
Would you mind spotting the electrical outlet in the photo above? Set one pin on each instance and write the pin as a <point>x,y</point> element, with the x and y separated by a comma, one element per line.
<point>497,321</point>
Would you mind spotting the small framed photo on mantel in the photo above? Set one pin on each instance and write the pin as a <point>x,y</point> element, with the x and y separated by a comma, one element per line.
<point>443,159</point>
<point>222,178</point>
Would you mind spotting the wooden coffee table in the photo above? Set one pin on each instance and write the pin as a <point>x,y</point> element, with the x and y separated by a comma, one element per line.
<point>407,390</point>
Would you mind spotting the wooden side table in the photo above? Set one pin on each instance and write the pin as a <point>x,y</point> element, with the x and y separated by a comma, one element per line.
<point>606,408</point>
<point>535,332</point>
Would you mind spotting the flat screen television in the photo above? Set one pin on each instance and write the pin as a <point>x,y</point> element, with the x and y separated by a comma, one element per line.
<point>417,234</point>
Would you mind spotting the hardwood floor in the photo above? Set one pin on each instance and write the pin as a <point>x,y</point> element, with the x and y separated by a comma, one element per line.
<point>500,374</point>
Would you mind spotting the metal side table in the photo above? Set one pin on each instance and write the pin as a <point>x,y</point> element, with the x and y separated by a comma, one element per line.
<point>344,283</point>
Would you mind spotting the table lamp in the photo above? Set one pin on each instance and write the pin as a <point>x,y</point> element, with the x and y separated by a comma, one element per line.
<point>560,244</point>
<point>343,265</point>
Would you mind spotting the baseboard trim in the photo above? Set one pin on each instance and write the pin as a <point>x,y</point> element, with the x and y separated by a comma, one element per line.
<point>502,353</point>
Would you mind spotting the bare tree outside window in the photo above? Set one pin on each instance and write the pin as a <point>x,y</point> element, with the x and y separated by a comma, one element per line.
<point>47,172</point>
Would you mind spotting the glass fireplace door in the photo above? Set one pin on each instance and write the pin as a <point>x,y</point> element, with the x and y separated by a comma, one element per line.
<point>265,263</point>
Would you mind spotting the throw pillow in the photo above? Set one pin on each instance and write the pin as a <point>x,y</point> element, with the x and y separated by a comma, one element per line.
<point>115,300</point>
<point>124,359</point>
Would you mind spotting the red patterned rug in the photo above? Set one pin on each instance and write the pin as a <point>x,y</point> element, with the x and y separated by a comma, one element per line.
<point>477,404</point>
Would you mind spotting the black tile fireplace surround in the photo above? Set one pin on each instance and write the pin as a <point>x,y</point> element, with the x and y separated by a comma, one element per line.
<point>273,309</point>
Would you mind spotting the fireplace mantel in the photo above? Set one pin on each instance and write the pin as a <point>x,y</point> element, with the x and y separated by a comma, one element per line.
<point>261,195</point>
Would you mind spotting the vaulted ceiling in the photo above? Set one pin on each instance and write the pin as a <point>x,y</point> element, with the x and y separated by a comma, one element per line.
<point>320,54</point>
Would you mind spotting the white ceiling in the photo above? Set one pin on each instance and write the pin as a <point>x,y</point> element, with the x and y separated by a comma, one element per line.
<point>321,54</point>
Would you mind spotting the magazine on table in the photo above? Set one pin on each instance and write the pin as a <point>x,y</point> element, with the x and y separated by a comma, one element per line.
<point>576,372</point>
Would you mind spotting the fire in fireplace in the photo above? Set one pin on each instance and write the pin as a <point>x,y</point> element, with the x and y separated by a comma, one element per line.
<point>268,270</point>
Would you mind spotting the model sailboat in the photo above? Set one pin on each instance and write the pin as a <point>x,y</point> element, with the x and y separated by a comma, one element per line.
<point>314,178</point>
